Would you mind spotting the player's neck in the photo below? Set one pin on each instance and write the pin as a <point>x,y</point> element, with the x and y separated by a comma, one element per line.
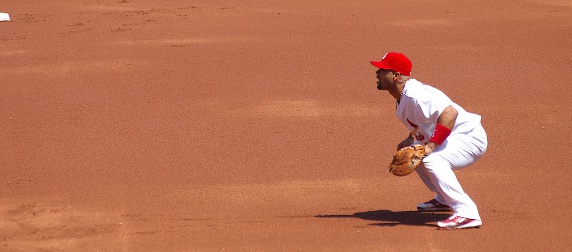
<point>397,92</point>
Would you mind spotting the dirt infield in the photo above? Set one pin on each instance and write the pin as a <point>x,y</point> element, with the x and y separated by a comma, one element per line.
<point>141,125</point>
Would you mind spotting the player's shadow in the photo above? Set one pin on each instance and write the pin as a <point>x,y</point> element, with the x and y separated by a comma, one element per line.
<point>390,218</point>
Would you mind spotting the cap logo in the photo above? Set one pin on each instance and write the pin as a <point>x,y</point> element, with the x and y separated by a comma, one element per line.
<point>384,56</point>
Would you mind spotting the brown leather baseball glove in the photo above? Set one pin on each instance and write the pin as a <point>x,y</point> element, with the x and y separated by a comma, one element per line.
<point>406,160</point>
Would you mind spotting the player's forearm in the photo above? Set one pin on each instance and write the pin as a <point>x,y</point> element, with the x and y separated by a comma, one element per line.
<point>445,124</point>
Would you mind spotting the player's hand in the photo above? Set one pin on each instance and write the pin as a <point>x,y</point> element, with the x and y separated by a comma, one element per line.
<point>429,148</point>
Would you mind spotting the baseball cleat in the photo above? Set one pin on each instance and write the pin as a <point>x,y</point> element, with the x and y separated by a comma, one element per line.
<point>457,222</point>
<point>433,206</point>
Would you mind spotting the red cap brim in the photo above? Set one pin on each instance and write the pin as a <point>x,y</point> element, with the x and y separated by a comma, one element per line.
<point>379,64</point>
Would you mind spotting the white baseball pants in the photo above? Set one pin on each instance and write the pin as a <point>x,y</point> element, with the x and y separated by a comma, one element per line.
<point>437,170</point>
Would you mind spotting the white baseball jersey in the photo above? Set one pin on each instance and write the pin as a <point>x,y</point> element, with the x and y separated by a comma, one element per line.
<point>421,105</point>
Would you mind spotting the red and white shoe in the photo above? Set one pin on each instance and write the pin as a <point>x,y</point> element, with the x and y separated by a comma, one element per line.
<point>455,222</point>
<point>433,206</point>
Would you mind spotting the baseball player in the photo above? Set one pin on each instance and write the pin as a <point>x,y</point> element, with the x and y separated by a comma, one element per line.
<point>453,138</point>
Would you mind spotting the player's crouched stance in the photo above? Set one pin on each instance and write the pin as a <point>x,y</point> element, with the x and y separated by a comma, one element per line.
<point>453,138</point>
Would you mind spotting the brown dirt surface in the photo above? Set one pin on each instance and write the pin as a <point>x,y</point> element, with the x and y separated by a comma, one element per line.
<point>141,125</point>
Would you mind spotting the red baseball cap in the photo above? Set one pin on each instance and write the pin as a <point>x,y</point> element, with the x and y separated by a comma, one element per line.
<point>394,61</point>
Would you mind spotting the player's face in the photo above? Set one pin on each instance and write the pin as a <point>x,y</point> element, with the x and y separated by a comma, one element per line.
<point>384,79</point>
